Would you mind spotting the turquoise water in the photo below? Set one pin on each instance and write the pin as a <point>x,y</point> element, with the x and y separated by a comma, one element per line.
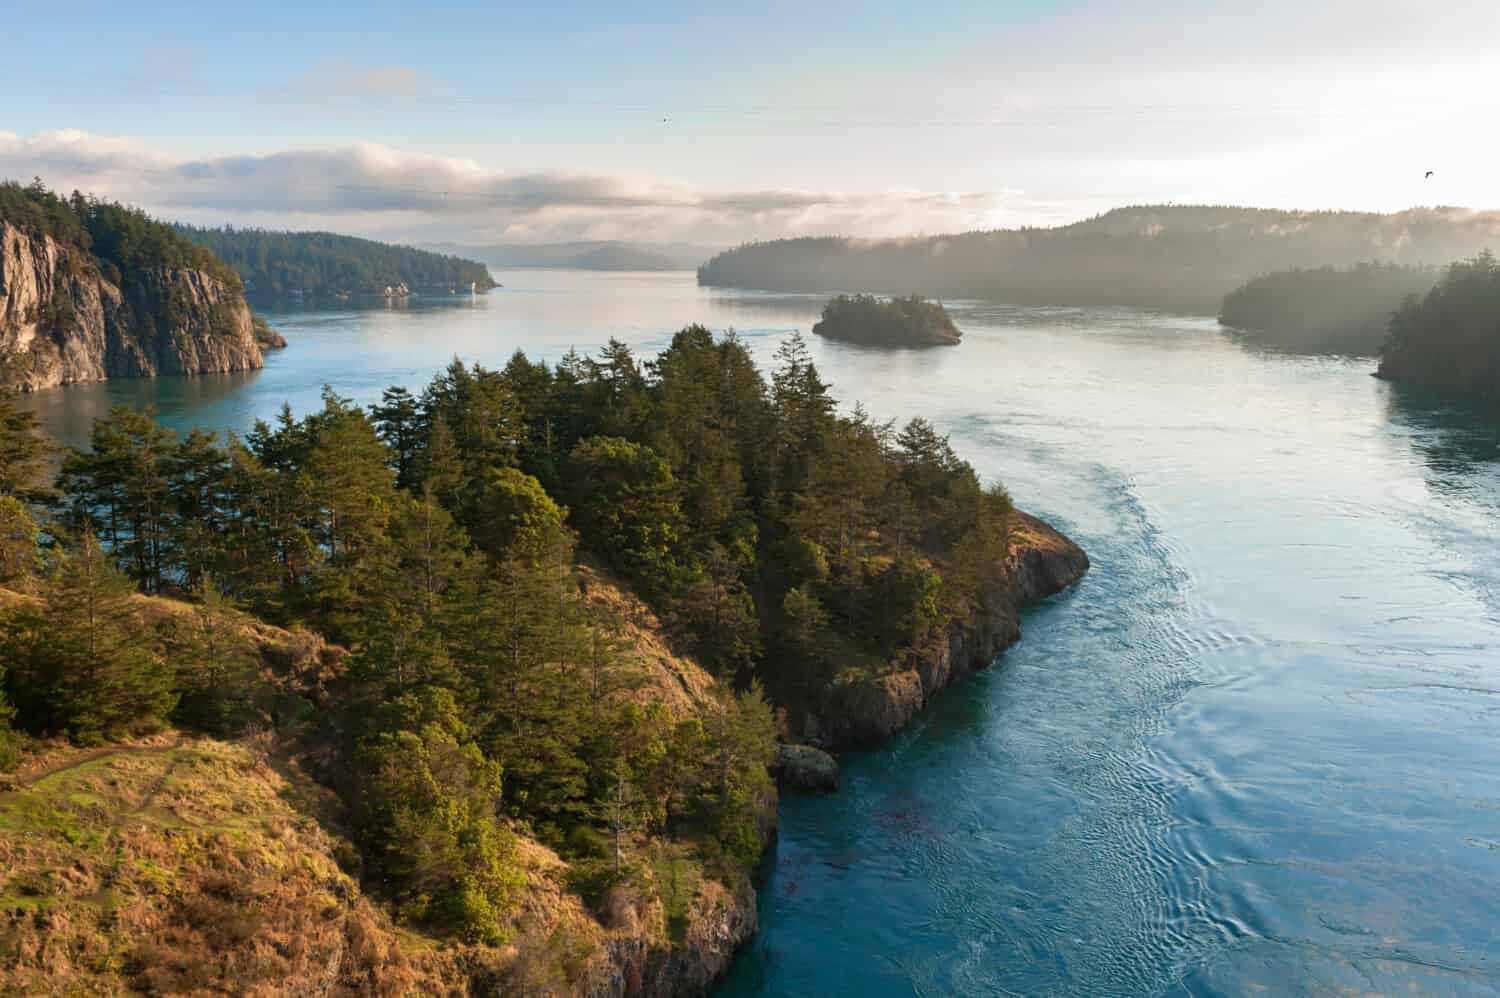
<point>1256,749</point>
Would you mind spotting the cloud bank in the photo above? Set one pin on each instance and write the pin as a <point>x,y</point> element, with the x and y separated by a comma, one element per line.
<point>379,191</point>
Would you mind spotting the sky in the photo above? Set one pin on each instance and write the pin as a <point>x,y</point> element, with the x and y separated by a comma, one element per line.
<point>717,123</point>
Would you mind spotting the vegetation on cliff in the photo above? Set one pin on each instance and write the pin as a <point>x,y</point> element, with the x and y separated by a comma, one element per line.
<point>1325,309</point>
<point>265,336</point>
<point>1449,339</point>
<point>327,264</point>
<point>494,698</point>
<point>897,322</point>
<point>121,242</point>
<point>1176,257</point>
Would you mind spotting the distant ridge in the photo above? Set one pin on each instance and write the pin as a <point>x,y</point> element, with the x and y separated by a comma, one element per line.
<point>1171,257</point>
<point>588,255</point>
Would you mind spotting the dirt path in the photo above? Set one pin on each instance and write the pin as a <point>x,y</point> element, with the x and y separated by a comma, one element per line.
<point>25,779</point>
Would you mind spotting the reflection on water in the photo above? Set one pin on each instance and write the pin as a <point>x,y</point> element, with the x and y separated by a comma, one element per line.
<point>210,400</point>
<point>1253,751</point>
<point>1457,440</point>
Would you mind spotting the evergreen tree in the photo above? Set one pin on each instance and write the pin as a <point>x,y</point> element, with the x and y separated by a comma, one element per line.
<point>23,450</point>
<point>197,473</point>
<point>625,502</point>
<point>738,793</point>
<point>83,663</point>
<point>20,555</point>
<point>531,386</point>
<point>480,411</point>
<point>399,424</point>
<point>408,597</point>
<point>351,491</point>
<point>804,414</point>
<point>514,517</point>
<point>218,671</point>
<point>429,808</point>
<point>522,641</point>
<point>121,484</point>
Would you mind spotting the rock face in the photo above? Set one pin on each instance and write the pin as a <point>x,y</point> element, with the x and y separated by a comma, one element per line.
<point>870,709</point>
<point>63,322</point>
<point>639,967</point>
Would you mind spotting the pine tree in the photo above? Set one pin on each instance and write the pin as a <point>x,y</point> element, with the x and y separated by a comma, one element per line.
<point>121,484</point>
<point>19,553</point>
<point>514,517</point>
<point>429,810</point>
<point>218,672</point>
<point>398,422</point>
<point>23,450</point>
<point>408,597</point>
<point>197,479</point>
<point>84,665</point>
<point>626,505</point>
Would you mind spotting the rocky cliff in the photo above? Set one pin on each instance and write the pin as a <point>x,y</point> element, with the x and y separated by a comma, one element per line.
<point>62,321</point>
<point>865,710</point>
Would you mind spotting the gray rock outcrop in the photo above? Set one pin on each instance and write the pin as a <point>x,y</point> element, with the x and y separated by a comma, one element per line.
<point>63,322</point>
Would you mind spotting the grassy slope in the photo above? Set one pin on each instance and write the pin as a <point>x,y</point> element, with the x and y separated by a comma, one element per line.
<point>190,865</point>
<point>179,866</point>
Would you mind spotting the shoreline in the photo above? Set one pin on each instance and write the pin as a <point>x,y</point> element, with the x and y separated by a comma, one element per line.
<point>1043,563</point>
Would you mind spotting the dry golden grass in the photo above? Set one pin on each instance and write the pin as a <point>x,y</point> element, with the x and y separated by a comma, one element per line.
<point>179,867</point>
<point>669,678</point>
<point>1029,533</point>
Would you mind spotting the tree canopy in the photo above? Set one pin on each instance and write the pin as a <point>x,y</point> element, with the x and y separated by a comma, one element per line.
<point>118,240</point>
<point>912,321</point>
<point>1449,339</point>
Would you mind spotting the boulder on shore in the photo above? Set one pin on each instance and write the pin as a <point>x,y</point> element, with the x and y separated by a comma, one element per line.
<point>804,769</point>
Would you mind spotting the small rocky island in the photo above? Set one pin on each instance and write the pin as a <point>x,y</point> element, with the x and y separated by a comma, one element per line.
<point>894,322</point>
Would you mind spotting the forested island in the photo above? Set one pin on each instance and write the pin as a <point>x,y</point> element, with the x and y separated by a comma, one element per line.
<point>1325,309</point>
<point>1171,257</point>
<point>326,265</point>
<point>1449,339</point>
<point>477,688</point>
<point>91,289</point>
<point>897,322</point>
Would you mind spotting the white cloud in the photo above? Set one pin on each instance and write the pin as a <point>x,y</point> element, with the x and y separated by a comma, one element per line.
<point>380,191</point>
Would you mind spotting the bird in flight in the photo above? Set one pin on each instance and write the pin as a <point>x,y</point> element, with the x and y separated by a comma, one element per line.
<point>1429,173</point>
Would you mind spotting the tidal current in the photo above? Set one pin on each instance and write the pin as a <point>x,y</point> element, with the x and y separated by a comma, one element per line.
<point>1256,750</point>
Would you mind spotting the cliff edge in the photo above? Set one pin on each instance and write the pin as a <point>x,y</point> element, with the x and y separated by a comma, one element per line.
<point>862,710</point>
<point>62,321</point>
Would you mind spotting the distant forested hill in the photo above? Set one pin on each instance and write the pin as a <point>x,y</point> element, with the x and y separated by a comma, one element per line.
<point>1178,258</point>
<point>1325,309</point>
<point>593,255</point>
<point>323,263</point>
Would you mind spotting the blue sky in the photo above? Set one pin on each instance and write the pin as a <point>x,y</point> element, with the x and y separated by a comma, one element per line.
<point>871,119</point>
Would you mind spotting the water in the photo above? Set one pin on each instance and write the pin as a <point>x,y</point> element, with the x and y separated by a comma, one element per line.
<point>1254,751</point>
